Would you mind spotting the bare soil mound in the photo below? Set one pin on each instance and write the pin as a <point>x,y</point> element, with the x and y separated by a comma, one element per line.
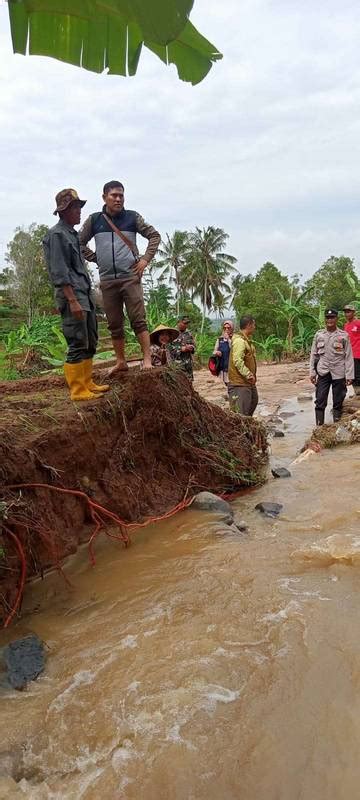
<point>137,451</point>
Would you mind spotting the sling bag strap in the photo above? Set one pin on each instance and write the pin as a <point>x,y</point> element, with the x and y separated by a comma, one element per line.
<point>121,236</point>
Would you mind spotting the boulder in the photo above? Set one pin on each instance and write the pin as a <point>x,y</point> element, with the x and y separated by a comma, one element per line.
<point>206,501</point>
<point>269,509</point>
<point>342,434</point>
<point>279,434</point>
<point>25,660</point>
<point>280,472</point>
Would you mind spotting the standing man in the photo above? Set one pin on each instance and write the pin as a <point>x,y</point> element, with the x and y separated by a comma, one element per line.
<point>183,348</point>
<point>243,394</point>
<point>120,267</point>
<point>331,364</point>
<point>352,328</point>
<point>69,276</point>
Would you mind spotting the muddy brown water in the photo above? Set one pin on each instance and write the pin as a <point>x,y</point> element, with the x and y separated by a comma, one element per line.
<point>202,665</point>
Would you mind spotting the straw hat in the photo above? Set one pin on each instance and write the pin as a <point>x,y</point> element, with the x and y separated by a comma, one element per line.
<point>172,332</point>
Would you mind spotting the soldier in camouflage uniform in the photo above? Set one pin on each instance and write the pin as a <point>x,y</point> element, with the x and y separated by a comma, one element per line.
<point>183,348</point>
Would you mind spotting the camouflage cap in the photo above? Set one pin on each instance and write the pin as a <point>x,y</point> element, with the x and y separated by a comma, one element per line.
<point>349,307</point>
<point>64,199</point>
<point>184,318</point>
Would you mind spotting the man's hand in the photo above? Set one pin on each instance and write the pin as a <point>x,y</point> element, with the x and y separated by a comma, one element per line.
<point>76,309</point>
<point>313,379</point>
<point>187,348</point>
<point>252,380</point>
<point>140,266</point>
<point>218,353</point>
<point>348,382</point>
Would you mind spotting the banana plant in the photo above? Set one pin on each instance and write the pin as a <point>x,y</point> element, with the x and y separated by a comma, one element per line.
<point>291,309</point>
<point>110,34</point>
<point>355,290</point>
<point>271,348</point>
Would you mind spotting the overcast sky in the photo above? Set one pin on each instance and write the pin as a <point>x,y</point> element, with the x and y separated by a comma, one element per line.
<point>267,146</point>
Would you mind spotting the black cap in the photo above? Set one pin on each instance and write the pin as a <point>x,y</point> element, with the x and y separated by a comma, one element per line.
<point>331,312</point>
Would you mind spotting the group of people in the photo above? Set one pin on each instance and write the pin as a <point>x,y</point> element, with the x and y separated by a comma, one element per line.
<point>335,352</point>
<point>121,267</point>
<point>335,361</point>
<point>236,365</point>
<point>169,345</point>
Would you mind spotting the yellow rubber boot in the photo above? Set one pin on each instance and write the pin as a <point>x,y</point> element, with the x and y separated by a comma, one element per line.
<point>76,380</point>
<point>94,387</point>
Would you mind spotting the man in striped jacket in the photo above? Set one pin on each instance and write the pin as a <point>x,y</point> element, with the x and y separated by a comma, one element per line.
<point>120,267</point>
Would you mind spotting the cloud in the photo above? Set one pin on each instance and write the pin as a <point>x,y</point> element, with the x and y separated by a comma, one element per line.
<point>266,147</point>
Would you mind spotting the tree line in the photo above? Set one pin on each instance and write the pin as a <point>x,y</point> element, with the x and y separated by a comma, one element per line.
<point>194,273</point>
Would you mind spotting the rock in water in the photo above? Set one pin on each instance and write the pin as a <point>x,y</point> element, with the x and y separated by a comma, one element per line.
<point>269,509</point>
<point>279,434</point>
<point>206,501</point>
<point>25,660</point>
<point>281,472</point>
<point>302,398</point>
<point>342,434</point>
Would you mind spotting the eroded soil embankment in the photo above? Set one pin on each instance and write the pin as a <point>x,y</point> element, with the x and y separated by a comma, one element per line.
<point>135,451</point>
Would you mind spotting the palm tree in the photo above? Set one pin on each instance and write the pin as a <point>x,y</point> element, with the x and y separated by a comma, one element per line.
<point>208,267</point>
<point>172,258</point>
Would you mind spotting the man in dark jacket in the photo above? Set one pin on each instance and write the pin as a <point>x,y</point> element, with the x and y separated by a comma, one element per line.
<point>73,295</point>
<point>120,267</point>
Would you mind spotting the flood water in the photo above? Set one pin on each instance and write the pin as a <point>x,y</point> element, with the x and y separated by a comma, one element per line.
<point>199,664</point>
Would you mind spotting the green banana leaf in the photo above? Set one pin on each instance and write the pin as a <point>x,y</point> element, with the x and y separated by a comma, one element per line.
<point>109,34</point>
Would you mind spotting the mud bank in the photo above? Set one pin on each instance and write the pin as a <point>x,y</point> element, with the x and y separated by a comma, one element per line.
<point>137,452</point>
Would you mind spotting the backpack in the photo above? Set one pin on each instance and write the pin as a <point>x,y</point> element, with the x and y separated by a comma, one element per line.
<point>214,365</point>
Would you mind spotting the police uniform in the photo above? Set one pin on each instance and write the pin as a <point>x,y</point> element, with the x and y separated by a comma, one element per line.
<point>332,363</point>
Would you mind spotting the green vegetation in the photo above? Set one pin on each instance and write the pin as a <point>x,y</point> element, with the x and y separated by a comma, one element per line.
<point>100,34</point>
<point>192,267</point>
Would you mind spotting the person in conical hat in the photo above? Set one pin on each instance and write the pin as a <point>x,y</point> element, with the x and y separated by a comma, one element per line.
<point>160,340</point>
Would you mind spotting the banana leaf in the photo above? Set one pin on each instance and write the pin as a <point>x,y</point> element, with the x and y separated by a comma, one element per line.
<point>109,34</point>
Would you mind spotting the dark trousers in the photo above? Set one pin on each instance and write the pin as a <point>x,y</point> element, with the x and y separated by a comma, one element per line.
<point>322,392</point>
<point>243,399</point>
<point>81,335</point>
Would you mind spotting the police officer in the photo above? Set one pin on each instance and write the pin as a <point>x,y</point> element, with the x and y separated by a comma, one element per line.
<point>69,276</point>
<point>331,364</point>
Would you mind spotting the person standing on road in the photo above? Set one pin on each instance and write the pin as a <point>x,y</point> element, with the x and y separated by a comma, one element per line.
<point>120,268</point>
<point>331,364</point>
<point>69,276</point>
<point>183,348</point>
<point>242,389</point>
<point>222,349</point>
<point>352,328</point>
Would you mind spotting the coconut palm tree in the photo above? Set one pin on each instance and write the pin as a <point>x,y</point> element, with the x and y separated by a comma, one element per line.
<point>208,267</point>
<point>171,259</point>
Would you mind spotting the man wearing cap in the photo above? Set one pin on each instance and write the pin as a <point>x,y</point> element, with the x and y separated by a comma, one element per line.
<point>183,348</point>
<point>331,364</point>
<point>352,327</point>
<point>120,267</point>
<point>71,280</point>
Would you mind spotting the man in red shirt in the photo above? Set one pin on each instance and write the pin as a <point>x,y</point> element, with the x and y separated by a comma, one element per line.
<point>352,327</point>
